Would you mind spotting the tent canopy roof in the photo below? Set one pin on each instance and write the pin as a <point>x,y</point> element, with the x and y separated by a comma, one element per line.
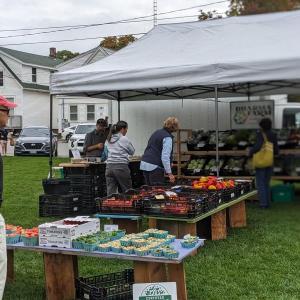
<point>257,54</point>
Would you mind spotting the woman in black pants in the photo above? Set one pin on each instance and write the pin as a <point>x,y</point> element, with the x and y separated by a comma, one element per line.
<point>118,178</point>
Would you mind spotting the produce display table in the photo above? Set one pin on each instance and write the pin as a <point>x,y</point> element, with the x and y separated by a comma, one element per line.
<point>132,224</point>
<point>61,268</point>
<point>182,226</point>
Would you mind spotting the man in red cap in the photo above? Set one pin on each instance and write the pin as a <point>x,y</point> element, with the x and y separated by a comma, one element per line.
<point>5,106</point>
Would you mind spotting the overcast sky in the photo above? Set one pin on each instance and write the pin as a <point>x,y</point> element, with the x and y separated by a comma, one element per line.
<point>16,14</point>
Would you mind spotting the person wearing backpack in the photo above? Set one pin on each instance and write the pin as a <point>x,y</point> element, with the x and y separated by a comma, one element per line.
<point>263,152</point>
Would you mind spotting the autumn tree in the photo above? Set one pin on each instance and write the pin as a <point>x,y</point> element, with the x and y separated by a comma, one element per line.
<point>117,43</point>
<point>209,15</point>
<point>250,7</point>
<point>66,54</point>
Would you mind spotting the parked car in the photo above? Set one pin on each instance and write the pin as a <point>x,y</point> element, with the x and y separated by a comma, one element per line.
<point>77,139</point>
<point>35,140</point>
<point>67,133</point>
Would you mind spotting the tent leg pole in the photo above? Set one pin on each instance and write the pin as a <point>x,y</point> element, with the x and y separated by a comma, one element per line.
<point>119,106</point>
<point>248,91</point>
<point>217,129</point>
<point>51,136</point>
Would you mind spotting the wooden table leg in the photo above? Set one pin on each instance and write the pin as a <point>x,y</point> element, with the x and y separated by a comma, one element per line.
<point>10,265</point>
<point>60,273</point>
<point>131,226</point>
<point>176,274</point>
<point>218,225</point>
<point>152,223</point>
<point>237,215</point>
<point>187,228</point>
<point>145,272</point>
<point>171,226</point>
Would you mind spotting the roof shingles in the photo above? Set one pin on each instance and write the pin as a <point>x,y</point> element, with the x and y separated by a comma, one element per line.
<point>32,59</point>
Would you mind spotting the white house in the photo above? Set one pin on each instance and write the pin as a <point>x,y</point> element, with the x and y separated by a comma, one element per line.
<point>24,79</point>
<point>75,110</point>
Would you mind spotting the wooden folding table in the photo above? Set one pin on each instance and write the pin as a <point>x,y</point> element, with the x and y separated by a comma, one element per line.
<point>61,268</point>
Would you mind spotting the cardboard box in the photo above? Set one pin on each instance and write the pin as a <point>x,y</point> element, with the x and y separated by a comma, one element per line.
<point>60,234</point>
<point>52,241</point>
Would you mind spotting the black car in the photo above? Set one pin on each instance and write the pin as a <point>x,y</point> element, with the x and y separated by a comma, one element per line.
<point>35,140</point>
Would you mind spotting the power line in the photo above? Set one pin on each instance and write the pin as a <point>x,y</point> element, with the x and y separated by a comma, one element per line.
<point>68,40</point>
<point>61,30</point>
<point>92,38</point>
<point>69,27</point>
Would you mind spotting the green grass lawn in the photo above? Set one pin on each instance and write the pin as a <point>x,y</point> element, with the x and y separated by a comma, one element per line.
<point>261,261</point>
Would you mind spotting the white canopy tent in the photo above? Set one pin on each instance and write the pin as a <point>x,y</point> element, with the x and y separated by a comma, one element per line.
<point>257,53</point>
<point>250,55</point>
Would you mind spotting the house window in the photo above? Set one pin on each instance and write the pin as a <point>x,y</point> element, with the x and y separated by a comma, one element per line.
<point>73,113</point>
<point>90,112</point>
<point>1,78</point>
<point>34,77</point>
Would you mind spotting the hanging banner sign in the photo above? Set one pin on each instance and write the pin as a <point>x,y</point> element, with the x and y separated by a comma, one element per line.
<point>155,291</point>
<point>247,114</point>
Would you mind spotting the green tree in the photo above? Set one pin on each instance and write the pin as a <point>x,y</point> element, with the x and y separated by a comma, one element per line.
<point>66,54</point>
<point>250,7</point>
<point>117,43</point>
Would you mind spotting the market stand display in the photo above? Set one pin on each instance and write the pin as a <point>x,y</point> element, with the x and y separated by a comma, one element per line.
<point>179,209</point>
<point>198,157</point>
<point>163,260</point>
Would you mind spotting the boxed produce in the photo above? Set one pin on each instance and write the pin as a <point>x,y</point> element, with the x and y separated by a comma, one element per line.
<point>234,166</point>
<point>61,233</point>
<point>198,141</point>
<point>195,167</point>
<point>211,166</point>
<point>120,203</point>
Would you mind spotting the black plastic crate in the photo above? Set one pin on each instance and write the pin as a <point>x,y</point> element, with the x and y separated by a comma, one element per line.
<point>83,190</point>
<point>59,205</point>
<point>114,286</point>
<point>76,171</point>
<point>119,204</point>
<point>184,205</point>
<point>82,179</point>
<point>229,194</point>
<point>55,186</point>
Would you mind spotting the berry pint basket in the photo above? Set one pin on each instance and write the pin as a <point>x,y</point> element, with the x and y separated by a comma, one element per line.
<point>113,286</point>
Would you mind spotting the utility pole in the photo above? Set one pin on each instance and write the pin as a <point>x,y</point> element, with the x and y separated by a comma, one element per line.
<point>154,13</point>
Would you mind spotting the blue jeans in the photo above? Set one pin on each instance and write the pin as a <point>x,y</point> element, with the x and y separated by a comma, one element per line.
<point>263,178</point>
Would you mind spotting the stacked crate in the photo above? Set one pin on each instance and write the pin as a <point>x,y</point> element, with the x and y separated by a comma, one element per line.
<point>58,199</point>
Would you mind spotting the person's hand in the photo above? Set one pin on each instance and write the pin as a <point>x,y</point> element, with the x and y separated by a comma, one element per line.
<point>100,146</point>
<point>171,178</point>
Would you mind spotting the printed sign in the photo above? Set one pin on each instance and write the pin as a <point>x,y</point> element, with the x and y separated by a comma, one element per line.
<point>109,228</point>
<point>247,114</point>
<point>76,153</point>
<point>155,291</point>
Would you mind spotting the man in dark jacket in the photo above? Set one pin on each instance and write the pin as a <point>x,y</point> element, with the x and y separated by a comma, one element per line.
<point>95,140</point>
<point>5,106</point>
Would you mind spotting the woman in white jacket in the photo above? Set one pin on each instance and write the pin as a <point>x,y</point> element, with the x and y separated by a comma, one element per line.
<point>118,178</point>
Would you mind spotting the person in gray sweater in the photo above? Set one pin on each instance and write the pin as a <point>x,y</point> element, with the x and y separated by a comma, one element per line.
<point>118,178</point>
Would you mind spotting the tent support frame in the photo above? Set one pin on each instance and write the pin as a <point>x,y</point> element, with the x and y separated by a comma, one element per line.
<point>119,105</point>
<point>217,129</point>
<point>51,137</point>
